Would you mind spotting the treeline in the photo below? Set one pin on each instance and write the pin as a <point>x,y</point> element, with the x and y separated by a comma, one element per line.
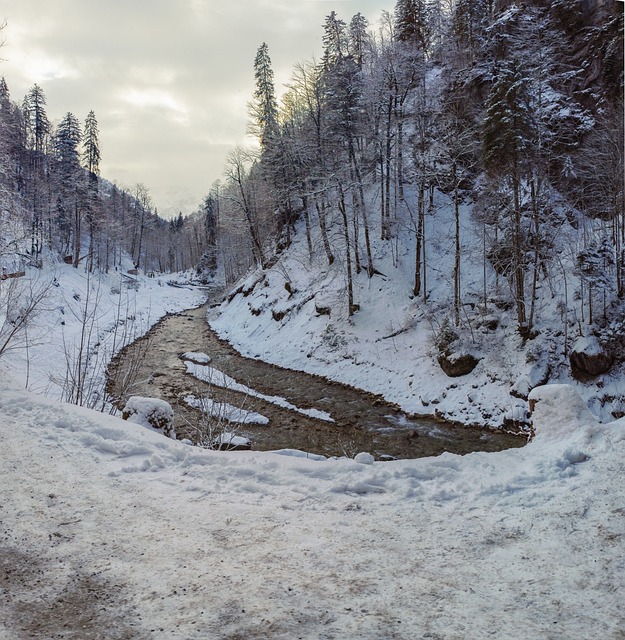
<point>52,198</point>
<point>514,108</point>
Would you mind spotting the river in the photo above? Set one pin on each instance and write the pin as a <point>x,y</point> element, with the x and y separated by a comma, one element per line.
<point>362,421</point>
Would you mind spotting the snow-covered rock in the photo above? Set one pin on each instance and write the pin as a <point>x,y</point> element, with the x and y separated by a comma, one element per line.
<point>152,413</point>
<point>588,358</point>
<point>196,357</point>
<point>364,458</point>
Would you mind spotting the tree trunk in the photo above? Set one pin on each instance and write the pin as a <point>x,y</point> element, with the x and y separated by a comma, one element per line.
<point>419,239</point>
<point>321,214</point>
<point>519,275</point>
<point>536,266</point>
<point>77,234</point>
<point>457,251</point>
<point>308,230</point>
<point>361,199</point>
<point>348,259</point>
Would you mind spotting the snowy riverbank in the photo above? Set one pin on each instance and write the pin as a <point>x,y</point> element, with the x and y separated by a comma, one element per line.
<point>85,316</point>
<point>110,530</point>
<point>294,314</point>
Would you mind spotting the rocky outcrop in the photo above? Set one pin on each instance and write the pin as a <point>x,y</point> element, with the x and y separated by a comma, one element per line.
<point>457,364</point>
<point>589,359</point>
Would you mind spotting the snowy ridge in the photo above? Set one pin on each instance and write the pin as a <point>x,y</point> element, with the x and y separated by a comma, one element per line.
<point>210,544</point>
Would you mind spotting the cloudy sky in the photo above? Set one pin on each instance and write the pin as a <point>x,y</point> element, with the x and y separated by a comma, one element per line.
<point>168,80</point>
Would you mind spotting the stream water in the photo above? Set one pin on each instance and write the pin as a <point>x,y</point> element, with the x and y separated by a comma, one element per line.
<point>362,421</point>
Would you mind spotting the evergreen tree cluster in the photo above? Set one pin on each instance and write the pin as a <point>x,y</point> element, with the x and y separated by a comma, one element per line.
<point>53,199</point>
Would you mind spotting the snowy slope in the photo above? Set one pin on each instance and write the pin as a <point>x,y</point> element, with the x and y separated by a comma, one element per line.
<point>387,347</point>
<point>112,531</point>
<point>103,313</point>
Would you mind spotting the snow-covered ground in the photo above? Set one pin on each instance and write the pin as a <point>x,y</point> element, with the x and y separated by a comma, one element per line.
<point>110,530</point>
<point>295,315</point>
<point>82,312</point>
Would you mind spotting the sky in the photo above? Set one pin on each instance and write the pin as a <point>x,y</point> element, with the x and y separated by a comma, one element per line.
<point>169,80</point>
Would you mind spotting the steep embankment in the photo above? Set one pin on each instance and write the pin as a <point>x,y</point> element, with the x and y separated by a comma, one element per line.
<point>295,315</point>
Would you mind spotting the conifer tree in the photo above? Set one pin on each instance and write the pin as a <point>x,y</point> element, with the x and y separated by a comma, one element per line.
<point>358,38</point>
<point>508,136</point>
<point>66,141</point>
<point>335,40</point>
<point>411,25</point>
<point>264,109</point>
<point>91,162</point>
<point>37,131</point>
<point>91,146</point>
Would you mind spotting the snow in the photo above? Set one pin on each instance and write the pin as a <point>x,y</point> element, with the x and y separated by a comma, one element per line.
<point>196,357</point>
<point>107,525</point>
<point>229,439</point>
<point>364,458</point>
<point>220,379</point>
<point>226,411</point>
<point>112,310</point>
<point>148,537</point>
<point>388,347</point>
<point>152,413</point>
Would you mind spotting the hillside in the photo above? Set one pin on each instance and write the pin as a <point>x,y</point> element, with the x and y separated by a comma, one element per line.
<point>295,314</point>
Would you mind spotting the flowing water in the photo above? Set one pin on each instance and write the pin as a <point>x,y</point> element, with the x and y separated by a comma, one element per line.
<point>362,421</point>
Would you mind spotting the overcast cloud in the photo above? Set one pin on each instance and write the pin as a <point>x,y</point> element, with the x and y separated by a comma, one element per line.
<point>168,80</point>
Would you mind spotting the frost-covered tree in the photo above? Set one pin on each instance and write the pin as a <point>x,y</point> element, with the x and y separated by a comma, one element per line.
<point>66,141</point>
<point>335,40</point>
<point>470,20</point>
<point>359,39</point>
<point>37,132</point>
<point>91,163</point>
<point>91,145</point>
<point>411,23</point>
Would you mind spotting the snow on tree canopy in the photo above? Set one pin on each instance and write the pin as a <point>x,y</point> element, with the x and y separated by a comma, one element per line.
<point>152,413</point>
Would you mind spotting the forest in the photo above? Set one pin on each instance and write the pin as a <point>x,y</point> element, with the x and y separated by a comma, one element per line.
<point>512,110</point>
<point>516,109</point>
<point>53,201</point>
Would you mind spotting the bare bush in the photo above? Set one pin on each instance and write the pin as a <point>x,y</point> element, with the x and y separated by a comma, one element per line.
<point>21,301</point>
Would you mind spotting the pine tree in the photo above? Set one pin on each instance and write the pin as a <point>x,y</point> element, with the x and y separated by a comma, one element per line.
<point>210,211</point>
<point>91,146</point>
<point>91,162</point>
<point>264,109</point>
<point>469,26</point>
<point>66,141</point>
<point>9,143</point>
<point>358,38</point>
<point>508,137</point>
<point>335,40</point>
<point>411,25</point>
<point>37,131</point>
<point>37,119</point>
